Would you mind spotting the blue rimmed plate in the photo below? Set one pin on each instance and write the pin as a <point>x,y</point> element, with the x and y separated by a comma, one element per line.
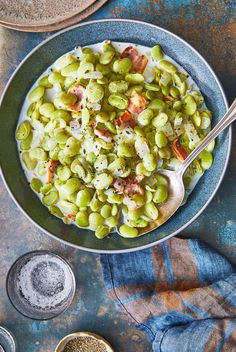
<point>43,56</point>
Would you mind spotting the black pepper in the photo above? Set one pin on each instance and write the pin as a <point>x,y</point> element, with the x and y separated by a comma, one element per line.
<point>84,344</point>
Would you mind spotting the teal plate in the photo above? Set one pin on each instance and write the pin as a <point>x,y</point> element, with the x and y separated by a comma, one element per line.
<point>35,64</point>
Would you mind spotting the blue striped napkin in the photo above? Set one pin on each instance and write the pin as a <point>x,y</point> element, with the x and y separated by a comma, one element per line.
<point>181,293</point>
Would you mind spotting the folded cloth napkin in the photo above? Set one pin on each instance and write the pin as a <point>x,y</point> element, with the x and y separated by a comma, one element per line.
<point>181,293</point>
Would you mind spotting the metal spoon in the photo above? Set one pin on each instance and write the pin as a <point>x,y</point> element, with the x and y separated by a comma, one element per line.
<point>175,178</point>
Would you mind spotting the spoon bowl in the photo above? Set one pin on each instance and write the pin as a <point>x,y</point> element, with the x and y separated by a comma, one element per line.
<point>173,202</point>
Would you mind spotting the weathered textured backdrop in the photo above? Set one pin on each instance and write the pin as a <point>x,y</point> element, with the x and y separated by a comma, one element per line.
<point>210,26</point>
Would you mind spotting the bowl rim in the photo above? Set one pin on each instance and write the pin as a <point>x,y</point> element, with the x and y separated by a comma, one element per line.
<point>32,254</point>
<point>11,337</point>
<point>149,245</point>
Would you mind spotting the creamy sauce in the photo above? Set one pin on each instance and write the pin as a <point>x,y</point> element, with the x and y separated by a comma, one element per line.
<point>119,46</point>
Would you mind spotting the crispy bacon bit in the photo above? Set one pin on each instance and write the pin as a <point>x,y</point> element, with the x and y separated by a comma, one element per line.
<point>129,52</point>
<point>133,188</point>
<point>70,216</point>
<point>79,92</point>
<point>119,185</point>
<point>51,169</point>
<point>178,150</point>
<point>103,134</point>
<point>137,103</point>
<point>126,120</point>
<point>139,62</point>
<point>129,186</point>
<point>75,107</point>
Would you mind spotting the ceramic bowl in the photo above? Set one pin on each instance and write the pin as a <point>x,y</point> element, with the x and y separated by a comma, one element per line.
<point>40,285</point>
<point>7,341</point>
<point>44,55</point>
<point>84,334</point>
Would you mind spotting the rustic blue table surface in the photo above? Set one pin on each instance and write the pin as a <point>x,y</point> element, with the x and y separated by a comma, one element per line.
<point>210,26</point>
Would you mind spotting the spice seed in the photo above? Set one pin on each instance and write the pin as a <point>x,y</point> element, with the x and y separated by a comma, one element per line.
<point>84,344</point>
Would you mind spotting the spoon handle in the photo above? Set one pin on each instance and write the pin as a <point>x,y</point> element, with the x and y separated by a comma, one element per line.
<point>226,120</point>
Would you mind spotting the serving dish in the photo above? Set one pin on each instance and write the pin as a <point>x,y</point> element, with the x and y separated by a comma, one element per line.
<point>58,25</point>
<point>89,33</point>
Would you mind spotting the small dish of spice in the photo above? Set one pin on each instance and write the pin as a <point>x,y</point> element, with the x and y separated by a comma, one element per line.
<point>83,342</point>
<point>40,285</point>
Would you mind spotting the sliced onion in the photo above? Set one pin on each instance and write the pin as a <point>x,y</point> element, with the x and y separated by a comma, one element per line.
<point>130,203</point>
<point>94,106</point>
<point>50,126</point>
<point>206,122</point>
<point>77,134</point>
<point>174,164</point>
<point>50,95</point>
<point>191,133</point>
<point>178,121</point>
<point>93,75</point>
<point>74,124</point>
<point>57,87</point>
<point>149,74</point>
<point>179,130</point>
<point>168,130</point>
<point>141,147</point>
<point>38,126</point>
<point>38,134</point>
<point>165,78</point>
<point>160,163</point>
<point>76,129</point>
<point>78,52</point>
<point>52,143</point>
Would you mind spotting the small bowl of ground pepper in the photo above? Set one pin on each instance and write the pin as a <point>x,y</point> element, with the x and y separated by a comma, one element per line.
<point>83,342</point>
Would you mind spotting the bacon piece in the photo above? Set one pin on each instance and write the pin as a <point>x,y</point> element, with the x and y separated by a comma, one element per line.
<point>129,52</point>
<point>79,92</point>
<point>103,134</point>
<point>51,169</point>
<point>133,188</point>
<point>129,186</point>
<point>120,184</point>
<point>137,103</point>
<point>70,216</point>
<point>126,120</point>
<point>75,107</point>
<point>139,62</point>
<point>178,150</point>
